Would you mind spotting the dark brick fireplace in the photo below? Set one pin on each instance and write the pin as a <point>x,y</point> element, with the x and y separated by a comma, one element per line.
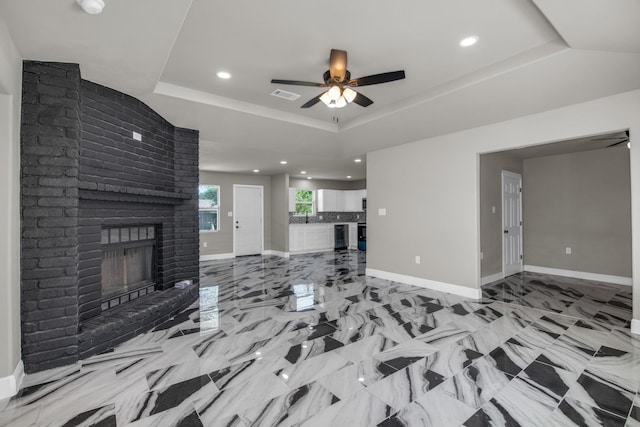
<point>94,159</point>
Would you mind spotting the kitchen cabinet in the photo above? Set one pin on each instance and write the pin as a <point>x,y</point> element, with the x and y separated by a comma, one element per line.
<point>340,200</point>
<point>330,200</point>
<point>353,236</point>
<point>292,199</point>
<point>304,238</point>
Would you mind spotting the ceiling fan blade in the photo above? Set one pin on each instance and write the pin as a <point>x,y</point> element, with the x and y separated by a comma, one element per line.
<point>362,100</point>
<point>312,102</point>
<point>338,65</point>
<point>609,139</point>
<point>297,83</point>
<point>617,143</point>
<point>378,78</point>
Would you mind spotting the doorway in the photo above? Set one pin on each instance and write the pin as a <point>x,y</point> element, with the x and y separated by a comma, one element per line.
<point>511,223</point>
<point>248,231</point>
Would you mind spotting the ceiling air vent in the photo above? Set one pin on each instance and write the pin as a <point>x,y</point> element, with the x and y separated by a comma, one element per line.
<point>289,96</point>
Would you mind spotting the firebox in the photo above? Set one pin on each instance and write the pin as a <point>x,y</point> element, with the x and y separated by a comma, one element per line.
<point>128,264</point>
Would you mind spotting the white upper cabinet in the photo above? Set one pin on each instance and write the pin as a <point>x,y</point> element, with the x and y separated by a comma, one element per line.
<point>340,200</point>
<point>292,199</point>
<point>326,200</point>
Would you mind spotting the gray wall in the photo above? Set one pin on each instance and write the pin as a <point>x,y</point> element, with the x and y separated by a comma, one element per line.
<point>280,213</point>
<point>430,189</point>
<point>491,167</point>
<point>326,184</point>
<point>582,201</point>
<point>10,99</point>
<point>221,241</point>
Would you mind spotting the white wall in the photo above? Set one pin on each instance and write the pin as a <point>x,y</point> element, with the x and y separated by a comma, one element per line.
<point>430,189</point>
<point>10,98</point>
<point>581,201</point>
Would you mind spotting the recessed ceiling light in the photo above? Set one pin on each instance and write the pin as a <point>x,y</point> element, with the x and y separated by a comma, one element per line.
<point>348,176</point>
<point>468,41</point>
<point>256,170</point>
<point>283,162</point>
<point>357,160</point>
<point>223,75</point>
<point>303,172</point>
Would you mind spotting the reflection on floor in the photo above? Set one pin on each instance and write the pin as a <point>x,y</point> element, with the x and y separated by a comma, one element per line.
<point>311,341</point>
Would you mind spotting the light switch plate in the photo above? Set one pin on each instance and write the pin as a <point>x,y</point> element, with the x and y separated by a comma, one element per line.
<point>382,211</point>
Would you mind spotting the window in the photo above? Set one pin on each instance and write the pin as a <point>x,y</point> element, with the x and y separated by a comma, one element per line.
<point>208,196</point>
<point>304,202</point>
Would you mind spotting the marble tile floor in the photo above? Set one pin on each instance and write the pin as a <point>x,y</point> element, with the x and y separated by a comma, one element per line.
<point>312,341</point>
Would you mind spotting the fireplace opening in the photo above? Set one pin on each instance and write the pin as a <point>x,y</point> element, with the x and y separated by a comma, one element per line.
<point>128,264</point>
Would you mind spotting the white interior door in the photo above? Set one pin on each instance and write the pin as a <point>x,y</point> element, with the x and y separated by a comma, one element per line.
<point>247,220</point>
<point>511,223</point>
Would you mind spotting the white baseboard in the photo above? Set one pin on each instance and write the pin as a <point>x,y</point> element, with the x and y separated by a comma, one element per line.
<point>618,280</point>
<point>426,283</point>
<point>312,251</point>
<point>10,385</point>
<point>491,278</point>
<point>276,253</point>
<point>214,257</point>
<point>635,326</point>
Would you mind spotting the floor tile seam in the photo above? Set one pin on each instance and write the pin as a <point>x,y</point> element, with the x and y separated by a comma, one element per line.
<point>590,405</point>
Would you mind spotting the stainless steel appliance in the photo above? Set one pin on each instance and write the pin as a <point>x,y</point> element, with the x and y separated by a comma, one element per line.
<point>362,236</point>
<point>341,235</point>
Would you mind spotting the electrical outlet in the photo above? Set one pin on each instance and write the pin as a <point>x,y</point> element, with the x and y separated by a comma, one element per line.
<point>357,216</point>
<point>417,259</point>
<point>567,251</point>
<point>320,217</point>
<point>137,136</point>
<point>338,216</point>
<point>204,244</point>
<point>382,211</point>
<point>230,213</point>
<point>493,209</point>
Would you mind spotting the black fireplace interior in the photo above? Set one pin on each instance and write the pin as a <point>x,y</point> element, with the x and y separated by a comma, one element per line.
<point>128,266</point>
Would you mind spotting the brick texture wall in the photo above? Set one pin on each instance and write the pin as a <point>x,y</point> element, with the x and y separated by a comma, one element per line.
<point>50,141</point>
<point>82,170</point>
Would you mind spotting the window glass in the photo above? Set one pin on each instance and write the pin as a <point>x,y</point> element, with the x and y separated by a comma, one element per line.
<point>208,204</point>
<point>304,202</point>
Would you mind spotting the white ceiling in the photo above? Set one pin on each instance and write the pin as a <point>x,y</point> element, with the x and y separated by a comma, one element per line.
<point>532,56</point>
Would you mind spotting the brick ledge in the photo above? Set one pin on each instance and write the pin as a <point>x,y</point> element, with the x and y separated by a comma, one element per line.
<point>122,323</point>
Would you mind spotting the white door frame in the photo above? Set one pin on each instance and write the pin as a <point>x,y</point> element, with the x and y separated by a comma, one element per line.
<point>235,186</point>
<point>502,179</point>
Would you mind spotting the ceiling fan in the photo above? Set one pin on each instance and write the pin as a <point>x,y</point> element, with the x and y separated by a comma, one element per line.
<point>338,79</point>
<point>620,139</point>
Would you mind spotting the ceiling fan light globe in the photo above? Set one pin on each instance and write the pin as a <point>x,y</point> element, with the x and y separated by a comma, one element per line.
<point>326,100</point>
<point>341,102</point>
<point>92,7</point>
<point>334,92</point>
<point>349,94</point>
